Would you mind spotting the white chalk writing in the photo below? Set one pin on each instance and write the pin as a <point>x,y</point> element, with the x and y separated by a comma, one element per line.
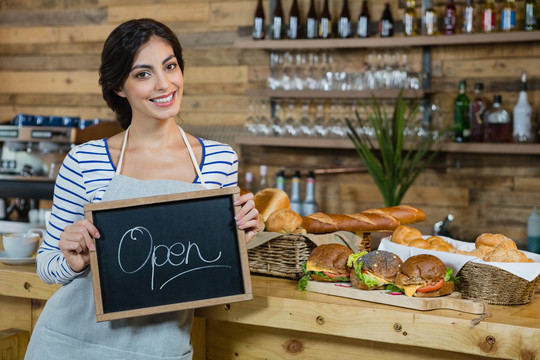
<point>139,239</point>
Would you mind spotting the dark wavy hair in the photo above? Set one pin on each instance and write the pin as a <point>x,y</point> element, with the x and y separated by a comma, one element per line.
<point>118,55</point>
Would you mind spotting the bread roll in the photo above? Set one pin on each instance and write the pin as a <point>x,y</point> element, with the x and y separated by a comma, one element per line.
<point>493,240</point>
<point>269,200</point>
<point>321,223</point>
<point>404,235</point>
<point>284,221</point>
<point>404,213</point>
<point>420,243</point>
<point>503,254</point>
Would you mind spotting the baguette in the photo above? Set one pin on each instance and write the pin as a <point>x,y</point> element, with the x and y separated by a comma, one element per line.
<point>321,223</point>
<point>404,213</point>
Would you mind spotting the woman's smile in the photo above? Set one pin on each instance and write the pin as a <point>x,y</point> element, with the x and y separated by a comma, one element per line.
<point>165,100</point>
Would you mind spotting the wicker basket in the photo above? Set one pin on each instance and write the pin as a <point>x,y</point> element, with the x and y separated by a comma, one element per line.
<point>494,285</point>
<point>283,256</point>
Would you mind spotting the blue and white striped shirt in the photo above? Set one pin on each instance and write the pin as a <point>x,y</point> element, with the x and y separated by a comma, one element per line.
<point>83,178</point>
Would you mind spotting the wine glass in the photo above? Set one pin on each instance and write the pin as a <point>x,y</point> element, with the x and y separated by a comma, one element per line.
<point>305,123</point>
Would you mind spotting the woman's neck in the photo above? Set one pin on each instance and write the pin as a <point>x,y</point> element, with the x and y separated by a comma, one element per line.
<point>152,134</point>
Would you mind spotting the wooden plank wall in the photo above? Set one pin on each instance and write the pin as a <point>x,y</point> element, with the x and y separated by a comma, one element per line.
<point>49,55</point>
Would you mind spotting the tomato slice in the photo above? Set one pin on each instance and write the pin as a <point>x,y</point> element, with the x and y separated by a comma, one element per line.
<point>333,275</point>
<point>433,287</point>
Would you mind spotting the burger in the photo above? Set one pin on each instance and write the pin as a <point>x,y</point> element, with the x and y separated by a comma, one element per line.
<point>327,262</point>
<point>374,270</point>
<point>425,276</point>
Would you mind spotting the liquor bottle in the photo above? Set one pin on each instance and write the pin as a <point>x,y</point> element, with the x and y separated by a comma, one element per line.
<point>325,23</point>
<point>533,232</point>
<point>508,16</point>
<point>309,206</point>
<point>344,22</point>
<point>249,182</point>
<point>489,17</point>
<point>450,18</point>
<point>312,22</point>
<point>295,28</point>
<point>277,23</point>
<point>386,24</point>
<point>431,23</point>
<point>476,114</point>
<point>498,123</point>
<point>295,202</point>
<point>461,114</point>
<point>522,115</point>
<point>530,15</point>
<point>258,22</point>
<point>409,19</point>
<point>263,179</point>
<point>469,18</point>
<point>280,180</point>
<point>362,29</point>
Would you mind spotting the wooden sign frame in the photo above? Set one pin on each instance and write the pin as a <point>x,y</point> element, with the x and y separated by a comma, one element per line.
<point>176,201</point>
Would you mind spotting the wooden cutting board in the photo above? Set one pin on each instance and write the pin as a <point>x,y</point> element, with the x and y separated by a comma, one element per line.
<point>450,302</point>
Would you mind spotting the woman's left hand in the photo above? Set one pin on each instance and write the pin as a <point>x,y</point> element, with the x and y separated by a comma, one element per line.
<point>248,218</point>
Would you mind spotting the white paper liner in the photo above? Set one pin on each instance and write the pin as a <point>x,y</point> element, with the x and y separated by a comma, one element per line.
<point>527,271</point>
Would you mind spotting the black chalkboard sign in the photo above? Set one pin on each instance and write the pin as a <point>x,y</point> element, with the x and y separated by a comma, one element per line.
<point>164,253</point>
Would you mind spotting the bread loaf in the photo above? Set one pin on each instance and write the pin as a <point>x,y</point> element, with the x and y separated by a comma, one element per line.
<point>404,235</point>
<point>269,200</point>
<point>404,213</point>
<point>284,221</point>
<point>320,223</point>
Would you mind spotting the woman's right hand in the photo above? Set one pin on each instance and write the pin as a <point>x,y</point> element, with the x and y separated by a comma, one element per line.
<point>76,242</point>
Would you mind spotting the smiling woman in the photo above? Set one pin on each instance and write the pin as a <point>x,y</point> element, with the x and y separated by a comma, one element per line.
<point>141,76</point>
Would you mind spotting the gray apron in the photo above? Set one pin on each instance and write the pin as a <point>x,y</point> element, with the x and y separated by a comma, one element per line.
<point>67,327</point>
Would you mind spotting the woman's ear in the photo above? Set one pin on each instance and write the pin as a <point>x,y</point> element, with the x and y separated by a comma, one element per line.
<point>120,92</point>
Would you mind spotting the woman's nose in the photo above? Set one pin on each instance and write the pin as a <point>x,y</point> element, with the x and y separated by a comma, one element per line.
<point>162,82</point>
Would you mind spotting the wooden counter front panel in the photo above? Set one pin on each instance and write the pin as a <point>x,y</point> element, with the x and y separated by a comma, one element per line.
<point>245,342</point>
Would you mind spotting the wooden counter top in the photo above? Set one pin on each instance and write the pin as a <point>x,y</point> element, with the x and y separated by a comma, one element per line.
<point>510,332</point>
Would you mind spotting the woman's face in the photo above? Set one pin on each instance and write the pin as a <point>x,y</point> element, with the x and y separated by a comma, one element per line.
<point>154,85</point>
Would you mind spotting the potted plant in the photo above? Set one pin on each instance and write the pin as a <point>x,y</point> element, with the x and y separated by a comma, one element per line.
<point>393,159</point>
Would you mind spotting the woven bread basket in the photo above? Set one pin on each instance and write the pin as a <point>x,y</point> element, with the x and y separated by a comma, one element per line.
<point>283,256</point>
<point>494,285</point>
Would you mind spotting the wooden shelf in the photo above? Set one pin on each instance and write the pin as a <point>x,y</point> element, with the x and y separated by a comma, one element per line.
<point>329,143</point>
<point>335,94</point>
<point>397,41</point>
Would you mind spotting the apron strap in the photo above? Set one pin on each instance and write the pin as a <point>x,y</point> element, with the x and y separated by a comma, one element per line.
<point>192,156</point>
<point>186,142</point>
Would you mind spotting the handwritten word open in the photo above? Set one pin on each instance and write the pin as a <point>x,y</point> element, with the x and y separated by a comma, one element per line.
<point>178,255</point>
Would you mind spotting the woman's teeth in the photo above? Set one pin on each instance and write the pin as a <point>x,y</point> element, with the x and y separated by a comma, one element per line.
<point>164,100</point>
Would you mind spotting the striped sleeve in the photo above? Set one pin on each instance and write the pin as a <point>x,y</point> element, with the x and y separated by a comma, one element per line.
<point>73,189</point>
<point>219,165</point>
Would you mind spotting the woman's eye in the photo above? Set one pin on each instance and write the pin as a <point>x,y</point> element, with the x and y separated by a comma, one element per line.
<point>142,75</point>
<point>171,66</point>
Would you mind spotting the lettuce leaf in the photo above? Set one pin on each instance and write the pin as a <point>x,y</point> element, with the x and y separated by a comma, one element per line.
<point>448,277</point>
<point>394,288</point>
<point>303,282</point>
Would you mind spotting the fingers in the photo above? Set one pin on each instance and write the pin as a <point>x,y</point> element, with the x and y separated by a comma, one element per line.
<point>243,199</point>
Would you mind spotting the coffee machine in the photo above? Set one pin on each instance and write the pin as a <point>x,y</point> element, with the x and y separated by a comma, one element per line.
<point>30,156</point>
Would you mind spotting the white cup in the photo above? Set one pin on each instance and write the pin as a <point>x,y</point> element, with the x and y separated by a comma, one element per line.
<point>22,245</point>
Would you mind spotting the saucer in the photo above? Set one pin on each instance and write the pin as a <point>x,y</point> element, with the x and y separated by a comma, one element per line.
<point>15,261</point>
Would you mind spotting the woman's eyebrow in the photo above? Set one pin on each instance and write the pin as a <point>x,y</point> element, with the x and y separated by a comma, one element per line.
<point>144,66</point>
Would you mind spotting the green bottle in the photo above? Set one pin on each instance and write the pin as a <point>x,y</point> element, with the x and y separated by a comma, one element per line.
<point>462,124</point>
<point>530,15</point>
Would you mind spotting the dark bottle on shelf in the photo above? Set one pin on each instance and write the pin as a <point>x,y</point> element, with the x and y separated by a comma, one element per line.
<point>386,25</point>
<point>344,22</point>
<point>450,18</point>
<point>462,130</point>
<point>476,114</point>
<point>362,28</point>
<point>498,123</point>
<point>325,23</point>
<point>294,30</point>
<point>258,22</point>
<point>277,22</point>
<point>531,22</point>
<point>312,22</point>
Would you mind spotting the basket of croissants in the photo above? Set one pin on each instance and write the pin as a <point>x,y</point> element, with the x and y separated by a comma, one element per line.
<point>481,279</point>
<point>289,238</point>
